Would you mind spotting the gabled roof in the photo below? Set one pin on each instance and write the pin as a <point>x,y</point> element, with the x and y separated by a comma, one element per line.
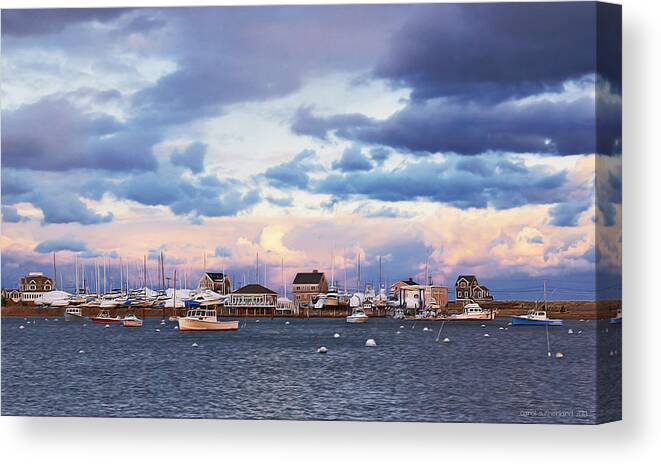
<point>410,281</point>
<point>470,278</point>
<point>308,278</point>
<point>215,276</point>
<point>254,289</point>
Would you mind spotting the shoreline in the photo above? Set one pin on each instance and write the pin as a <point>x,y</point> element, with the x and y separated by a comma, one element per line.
<point>561,309</point>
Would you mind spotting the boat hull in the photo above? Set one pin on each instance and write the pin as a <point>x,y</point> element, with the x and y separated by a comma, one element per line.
<point>187,324</point>
<point>518,320</point>
<point>74,318</point>
<point>357,319</point>
<point>132,323</point>
<point>106,320</point>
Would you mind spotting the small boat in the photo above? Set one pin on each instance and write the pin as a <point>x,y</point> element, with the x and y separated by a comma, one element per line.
<point>618,318</point>
<point>73,314</point>
<point>535,317</point>
<point>473,312</point>
<point>131,320</point>
<point>399,314</point>
<point>357,316</point>
<point>173,318</point>
<point>204,319</point>
<point>104,317</point>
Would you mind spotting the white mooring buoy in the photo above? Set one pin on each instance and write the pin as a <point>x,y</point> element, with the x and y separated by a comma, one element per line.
<point>322,350</point>
<point>158,330</point>
<point>446,340</point>
<point>370,342</point>
<point>107,325</point>
<point>336,335</point>
<point>570,331</point>
<point>195,345</point>
<point>486,335</point>
<point>81,351</point>
<point>501,328</point>
<point>287,323</point>
<point>401,326</point>
<point>176,327</point>
<point>425,329</point>
<point>21,326</point>
<point>559,355</point>
<point>483,325</point>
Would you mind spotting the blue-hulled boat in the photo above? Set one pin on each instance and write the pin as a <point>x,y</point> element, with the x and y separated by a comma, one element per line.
<point>617,319</point>
<point>535,317</point>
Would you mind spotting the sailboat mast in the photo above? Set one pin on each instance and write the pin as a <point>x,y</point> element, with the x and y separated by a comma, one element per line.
<point>333,267</point>
<point>121,276</point>
<point>544,295</point>
<point>77,283</point>
<point>344,258</point>
<point>144,271</point>
<point>257,268</point>
<point>282,276</point>
<point>54,272</point>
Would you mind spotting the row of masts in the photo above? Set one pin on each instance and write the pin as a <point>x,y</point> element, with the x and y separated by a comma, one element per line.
<point>103,281</point>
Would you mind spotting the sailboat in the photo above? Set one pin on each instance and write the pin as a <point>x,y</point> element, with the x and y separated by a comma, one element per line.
<point>536,317</point>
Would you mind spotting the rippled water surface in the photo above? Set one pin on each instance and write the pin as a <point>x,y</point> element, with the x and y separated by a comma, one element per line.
<point>270,370</point>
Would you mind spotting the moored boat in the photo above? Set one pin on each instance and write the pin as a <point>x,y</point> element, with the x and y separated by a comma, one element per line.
<point>73,314</point>
<point>104,317</point>
<point>131,320</point>
<point>204,319</point>
<point>618,318</point>
<point>535,317</point>
<point>472,312</point>
<point>357,316</point>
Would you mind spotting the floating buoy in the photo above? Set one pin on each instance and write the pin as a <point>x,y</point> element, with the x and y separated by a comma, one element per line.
<point>446,340</point>
<point>425,329</point>
<point>580,331</point>
<point>81,351</point>
<point>486,335</point>
<point>107,325</point>
<point>612,353</point>
<point>322,350</point>
<point>559,355</point>
<point>21,327</point>
<point>84,325</point>
<point>501,328</point>
<point>582,320</point>
<point>257,320</point>
<point>398,332</point>
<point>46,319</point>
<point>336,335</point>
<point>29,322</point>
<point>287,323</point>
<point>606,330</point>
<point>570,331</point>
<point>176,327</point>
<point>483,325</point>
<point>505,328</point>
<point>55,320</point>
<point>195,345</point>
<point>370,342</point>
<point>509,323</point>
<point>401,326</point>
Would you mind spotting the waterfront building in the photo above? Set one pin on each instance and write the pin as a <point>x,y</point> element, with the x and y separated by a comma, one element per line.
<point>395,287</point>
<point>11,294</point>
<point>418,296</point>
<point>34,285</point>
<point>215,281</point>
<point>253,299</point>
<point>308,284</point>
<point>468,288</point>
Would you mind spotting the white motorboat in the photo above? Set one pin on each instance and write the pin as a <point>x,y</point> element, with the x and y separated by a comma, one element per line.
<point>73,314</point>
<point>357,316</point>
<point>204,319</point>
<point>473,312</point>
<point>131,320</point>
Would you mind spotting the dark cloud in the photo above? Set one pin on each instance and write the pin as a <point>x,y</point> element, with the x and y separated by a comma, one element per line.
<point>537,239</point>
<point>292,173</point>
<point>62,207</point>
<point>352,159</point>
<point>491,51</point>
<point>380,154</point>
<point>192,157</point>
<point>10,214</point>
<point>304,122</point>
<point>44,21</point>
<point>53,134</point>
<point>185,196</point>
<point>538,126</point>
<point>567,214</point>
<point>61,244</point>
<point>444,182</point>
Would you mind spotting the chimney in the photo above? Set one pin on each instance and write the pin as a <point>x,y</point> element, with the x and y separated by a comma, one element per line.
<point>315,271</point>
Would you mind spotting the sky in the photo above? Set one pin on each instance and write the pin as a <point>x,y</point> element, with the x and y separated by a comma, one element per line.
<point>448,139</point>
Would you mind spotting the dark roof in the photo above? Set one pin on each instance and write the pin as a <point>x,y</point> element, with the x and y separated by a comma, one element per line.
<point>255,289</point>
<point>470,278</point>
<point>215,276</point>
<point>308,278</point>
<point>410,281</point>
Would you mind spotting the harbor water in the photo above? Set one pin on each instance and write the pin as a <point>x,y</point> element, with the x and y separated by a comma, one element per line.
<point>270,369</point>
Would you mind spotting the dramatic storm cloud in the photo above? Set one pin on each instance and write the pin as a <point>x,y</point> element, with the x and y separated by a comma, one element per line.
<point>387,130</point>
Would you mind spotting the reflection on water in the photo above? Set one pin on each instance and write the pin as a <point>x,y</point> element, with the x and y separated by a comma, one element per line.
<point>270,370</point>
